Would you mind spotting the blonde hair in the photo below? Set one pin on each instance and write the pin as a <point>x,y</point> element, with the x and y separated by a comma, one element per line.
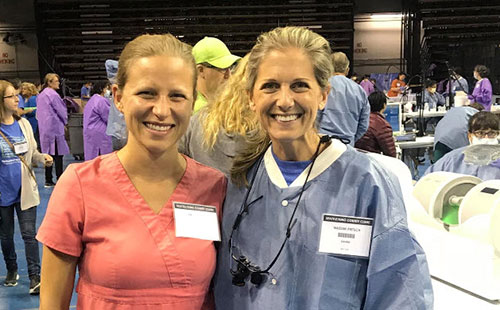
<point>318,51</point>
<point>340,62</point>
<point>30,88</point>
<point>3,87</point>
<point>48,78</point>
<point>231,110</point>
<point>149,45</point>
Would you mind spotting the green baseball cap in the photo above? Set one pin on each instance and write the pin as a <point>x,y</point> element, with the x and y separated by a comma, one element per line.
<point>214,52</point>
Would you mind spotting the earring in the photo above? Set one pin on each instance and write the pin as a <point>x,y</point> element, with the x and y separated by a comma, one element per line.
<point>119,106</point>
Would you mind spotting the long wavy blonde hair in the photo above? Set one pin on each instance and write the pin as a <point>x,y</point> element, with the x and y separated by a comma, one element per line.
<point>315,47</point>
<point>231,110</point>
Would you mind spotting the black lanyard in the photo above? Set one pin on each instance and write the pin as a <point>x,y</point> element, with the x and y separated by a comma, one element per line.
<point>245,267</point>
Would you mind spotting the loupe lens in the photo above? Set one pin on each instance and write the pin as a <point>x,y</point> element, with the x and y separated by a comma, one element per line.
<point>238,280</point>
<point>257,278</point>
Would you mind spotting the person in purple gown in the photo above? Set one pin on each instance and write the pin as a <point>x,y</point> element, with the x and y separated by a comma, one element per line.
<point>482,91</point>
<point>367,85</point>
<point>52,116</point>
<point>95,119</point>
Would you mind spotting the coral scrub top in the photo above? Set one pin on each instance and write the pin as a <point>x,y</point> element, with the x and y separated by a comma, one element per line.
<point>130,257</point>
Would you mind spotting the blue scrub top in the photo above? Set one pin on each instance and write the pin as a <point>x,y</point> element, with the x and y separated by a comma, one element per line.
<point>347,111</point>
<point>343,182</point>
<point>434,100</point>
<point>454,162</point>
<point>453,127</point>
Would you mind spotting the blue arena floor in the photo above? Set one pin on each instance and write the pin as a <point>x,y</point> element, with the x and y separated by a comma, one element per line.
<point>17,297</point>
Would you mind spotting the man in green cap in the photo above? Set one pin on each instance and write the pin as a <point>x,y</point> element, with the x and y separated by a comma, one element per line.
<point>213,62</point>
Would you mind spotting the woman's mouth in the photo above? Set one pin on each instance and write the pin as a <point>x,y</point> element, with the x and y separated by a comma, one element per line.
<point>158,127</point>
<point>285,117</point>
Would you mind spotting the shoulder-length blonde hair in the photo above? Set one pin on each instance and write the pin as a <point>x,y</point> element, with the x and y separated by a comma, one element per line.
<point>48,78</point>
<point>28,89</point>
<point>231,110</point>
<point>318,51</point>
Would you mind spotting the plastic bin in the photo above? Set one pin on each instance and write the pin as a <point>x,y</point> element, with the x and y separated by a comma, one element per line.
<point>75,129</point>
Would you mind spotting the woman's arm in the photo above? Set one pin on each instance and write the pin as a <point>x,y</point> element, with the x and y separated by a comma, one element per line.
<point>58,277</point>
<point>58,106</point>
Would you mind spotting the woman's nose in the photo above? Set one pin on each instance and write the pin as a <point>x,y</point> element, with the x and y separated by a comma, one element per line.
<point>285,100</point>
<point>161,108</point>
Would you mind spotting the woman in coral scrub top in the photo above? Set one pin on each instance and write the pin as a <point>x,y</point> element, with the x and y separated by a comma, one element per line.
<point>113,216</point>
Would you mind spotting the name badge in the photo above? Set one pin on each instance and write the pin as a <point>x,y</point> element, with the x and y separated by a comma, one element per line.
<point>346,235</point>
<point>20,147</point>
<point>196,221</point>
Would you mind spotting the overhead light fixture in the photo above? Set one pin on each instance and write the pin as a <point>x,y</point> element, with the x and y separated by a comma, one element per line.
<point>386,16</point>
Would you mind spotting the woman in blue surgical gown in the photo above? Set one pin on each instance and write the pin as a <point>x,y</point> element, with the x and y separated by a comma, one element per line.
<point>482,157</point>
<point>309,222</point>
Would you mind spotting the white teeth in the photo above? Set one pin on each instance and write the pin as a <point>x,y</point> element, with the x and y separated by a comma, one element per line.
<point>158,127</point>
<point>286,118</point>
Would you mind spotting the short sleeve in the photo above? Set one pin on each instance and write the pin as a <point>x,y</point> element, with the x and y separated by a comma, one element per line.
<point>62,226</point>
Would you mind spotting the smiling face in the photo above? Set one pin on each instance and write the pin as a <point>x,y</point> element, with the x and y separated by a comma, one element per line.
<point>286,96</point>
<point>157,102</point>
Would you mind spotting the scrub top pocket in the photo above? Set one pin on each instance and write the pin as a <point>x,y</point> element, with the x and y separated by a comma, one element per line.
<point>344,282</point>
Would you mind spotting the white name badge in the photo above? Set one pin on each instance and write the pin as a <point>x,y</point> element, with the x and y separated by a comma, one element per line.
<point>196,221</point>
<point>346,235</point>
<point>20,147</point>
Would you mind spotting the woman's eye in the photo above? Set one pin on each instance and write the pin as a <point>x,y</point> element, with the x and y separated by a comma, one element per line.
<point>300,86</point>
<point>178,96</point>
<point>146,94</point>
<point>269,86</point>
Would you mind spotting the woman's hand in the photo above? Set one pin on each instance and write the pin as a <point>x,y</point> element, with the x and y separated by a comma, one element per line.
<point>48,160</point>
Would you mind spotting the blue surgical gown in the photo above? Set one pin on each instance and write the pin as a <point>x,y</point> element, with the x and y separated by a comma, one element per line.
<point>344,182</point>
<point>347,111</point>
<point>453,127</point>
<point>434,100</point>
<point>457,85</point>
<point>116,126</point>
<point>454,162</point>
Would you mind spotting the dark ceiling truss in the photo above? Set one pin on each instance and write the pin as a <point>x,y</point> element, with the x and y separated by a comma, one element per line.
<point>463,33</point>
<point>76,37</point>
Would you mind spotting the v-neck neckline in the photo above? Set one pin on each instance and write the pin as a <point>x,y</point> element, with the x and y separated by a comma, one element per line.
<point>135,198</point>
<point>158,224</point>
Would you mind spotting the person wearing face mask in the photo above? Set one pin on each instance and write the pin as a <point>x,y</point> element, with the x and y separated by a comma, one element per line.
<point>431,97</point>
<point>479,159</point>
<point>95,118</point>
<point>483,90</point>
